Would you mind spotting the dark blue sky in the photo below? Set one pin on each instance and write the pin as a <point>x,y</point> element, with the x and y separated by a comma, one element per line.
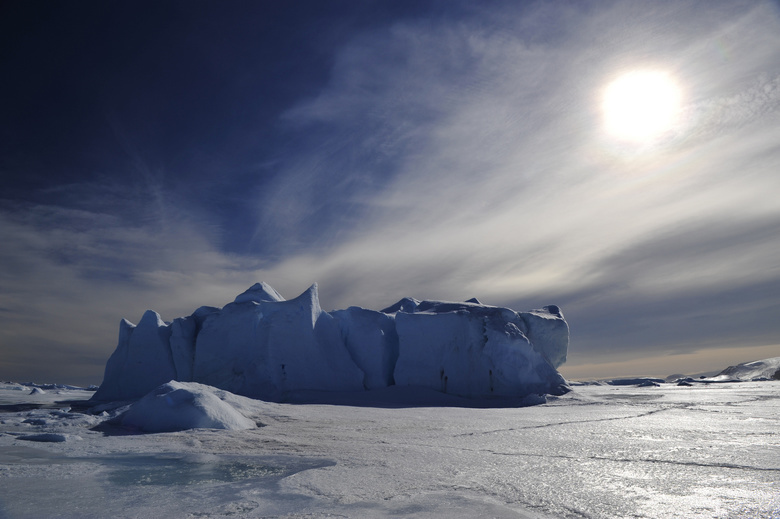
<point>167,155</point>
<point>184,95</point>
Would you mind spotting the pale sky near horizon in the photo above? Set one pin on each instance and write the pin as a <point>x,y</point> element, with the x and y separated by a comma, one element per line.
<point>167,155</point>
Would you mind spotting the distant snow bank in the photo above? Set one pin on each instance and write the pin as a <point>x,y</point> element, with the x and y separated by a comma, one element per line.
<point>52,387</point>
<point>754,371</point>
<point>766,369</point>
<point>265,347</point>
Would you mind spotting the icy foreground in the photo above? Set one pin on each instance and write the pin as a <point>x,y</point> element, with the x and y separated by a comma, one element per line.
<point>706,451</point>
<point>264,347</point>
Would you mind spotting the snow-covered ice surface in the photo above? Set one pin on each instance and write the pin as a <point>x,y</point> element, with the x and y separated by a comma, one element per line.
<point>598,452</point>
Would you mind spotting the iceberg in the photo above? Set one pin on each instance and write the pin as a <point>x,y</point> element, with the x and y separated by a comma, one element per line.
<point>475,350</point>
<point>265,347</point>
<point>143,359</point>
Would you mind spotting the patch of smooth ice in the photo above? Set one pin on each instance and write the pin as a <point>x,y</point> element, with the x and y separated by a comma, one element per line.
<point>45,437</point>
<point>185,469</point>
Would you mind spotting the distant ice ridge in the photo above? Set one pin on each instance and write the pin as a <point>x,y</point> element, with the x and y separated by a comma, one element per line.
<point>265,347</point>
<point>766,369</point>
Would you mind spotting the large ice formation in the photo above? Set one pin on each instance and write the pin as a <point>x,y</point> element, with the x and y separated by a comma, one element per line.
<point>265,347</point>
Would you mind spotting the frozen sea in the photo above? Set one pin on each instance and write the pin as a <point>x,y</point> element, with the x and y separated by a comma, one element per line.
<point>598,452</point>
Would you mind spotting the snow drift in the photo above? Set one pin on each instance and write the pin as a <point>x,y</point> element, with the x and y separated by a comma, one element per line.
<point>177,406</point>
<point>265,347</point>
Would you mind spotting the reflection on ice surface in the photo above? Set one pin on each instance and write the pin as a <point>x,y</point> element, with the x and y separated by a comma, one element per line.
<point>177,469</point>
<point>599,452</point>
<point>169,468</point>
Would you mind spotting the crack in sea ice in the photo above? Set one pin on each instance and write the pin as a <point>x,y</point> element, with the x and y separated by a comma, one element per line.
<point>555,424</point>
<point>632,460</point>
<point>604,458</point>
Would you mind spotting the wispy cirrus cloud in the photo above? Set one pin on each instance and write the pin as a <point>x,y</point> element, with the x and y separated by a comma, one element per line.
<point>496,178</point>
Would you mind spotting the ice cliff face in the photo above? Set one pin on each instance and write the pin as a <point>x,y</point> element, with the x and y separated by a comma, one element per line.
<point>262,346</point>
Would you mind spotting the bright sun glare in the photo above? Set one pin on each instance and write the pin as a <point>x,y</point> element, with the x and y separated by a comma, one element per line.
<point>640,106</point>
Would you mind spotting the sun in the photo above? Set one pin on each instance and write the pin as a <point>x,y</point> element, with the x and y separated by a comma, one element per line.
<point>641,106</point>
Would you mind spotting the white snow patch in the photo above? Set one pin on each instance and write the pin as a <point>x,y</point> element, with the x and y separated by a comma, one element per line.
<point>258,293</point>
<point>177,406</point>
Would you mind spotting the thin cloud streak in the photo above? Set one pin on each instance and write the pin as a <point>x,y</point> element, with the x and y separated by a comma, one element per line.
<point>69,276</point>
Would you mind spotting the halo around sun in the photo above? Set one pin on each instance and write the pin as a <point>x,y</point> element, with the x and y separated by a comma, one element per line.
<point>641,106</point>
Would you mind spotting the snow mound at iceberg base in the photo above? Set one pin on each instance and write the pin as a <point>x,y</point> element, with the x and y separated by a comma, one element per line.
<point>177,406</point>
<point>265,347</point>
